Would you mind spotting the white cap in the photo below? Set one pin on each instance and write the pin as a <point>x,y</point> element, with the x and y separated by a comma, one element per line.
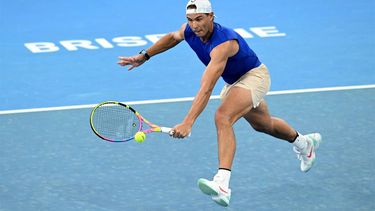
<point>203,6</point>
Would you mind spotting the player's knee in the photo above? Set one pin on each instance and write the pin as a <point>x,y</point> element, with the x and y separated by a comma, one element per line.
<point>222,119</point>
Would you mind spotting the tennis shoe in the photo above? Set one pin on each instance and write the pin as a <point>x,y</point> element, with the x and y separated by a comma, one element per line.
<point>219,194</point>
<point>307,155</point>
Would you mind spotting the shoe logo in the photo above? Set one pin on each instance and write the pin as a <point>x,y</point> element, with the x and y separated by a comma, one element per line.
<point>221,189</point>
<point>310,154</point>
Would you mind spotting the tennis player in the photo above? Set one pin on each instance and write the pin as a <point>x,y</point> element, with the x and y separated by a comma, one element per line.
<point>226,54</point>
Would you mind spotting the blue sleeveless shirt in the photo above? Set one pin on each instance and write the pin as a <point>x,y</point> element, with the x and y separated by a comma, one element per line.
<point>237,65</point>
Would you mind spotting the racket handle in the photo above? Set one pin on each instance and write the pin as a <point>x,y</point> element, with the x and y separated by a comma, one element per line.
<point>169,131</point>
<point>165,129</point>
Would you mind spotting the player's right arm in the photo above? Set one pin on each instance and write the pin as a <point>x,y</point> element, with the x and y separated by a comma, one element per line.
<point>166,42</point>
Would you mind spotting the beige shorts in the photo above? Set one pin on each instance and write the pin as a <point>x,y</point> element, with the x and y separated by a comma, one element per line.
<point>257,81</point>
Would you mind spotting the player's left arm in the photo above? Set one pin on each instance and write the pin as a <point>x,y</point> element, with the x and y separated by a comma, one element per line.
<point>166,42</point>
<point>219,57</point>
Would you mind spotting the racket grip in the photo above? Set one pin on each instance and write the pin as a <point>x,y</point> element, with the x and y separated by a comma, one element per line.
<point>168,130</point>
<point>165,129</point>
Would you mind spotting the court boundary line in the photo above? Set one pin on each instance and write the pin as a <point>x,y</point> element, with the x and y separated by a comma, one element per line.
<point>173,100</point>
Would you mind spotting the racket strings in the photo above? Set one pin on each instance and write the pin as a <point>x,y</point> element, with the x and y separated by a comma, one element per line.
<point>115,122</point>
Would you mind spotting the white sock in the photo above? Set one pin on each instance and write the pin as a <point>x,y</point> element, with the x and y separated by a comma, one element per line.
<point>222,177</point>
<point>300,142</point>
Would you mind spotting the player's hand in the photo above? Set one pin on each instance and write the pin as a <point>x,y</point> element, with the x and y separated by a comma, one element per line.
<point>133,61</point>
<point>181,130</point>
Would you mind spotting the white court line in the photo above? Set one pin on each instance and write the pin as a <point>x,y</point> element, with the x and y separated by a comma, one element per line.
<point>295,91</point>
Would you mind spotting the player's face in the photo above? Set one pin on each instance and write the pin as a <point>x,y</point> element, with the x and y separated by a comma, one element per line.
<point>201,24</point>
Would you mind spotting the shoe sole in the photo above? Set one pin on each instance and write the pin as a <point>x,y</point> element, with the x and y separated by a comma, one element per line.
<point>220,201</point>
<point>205,188</point>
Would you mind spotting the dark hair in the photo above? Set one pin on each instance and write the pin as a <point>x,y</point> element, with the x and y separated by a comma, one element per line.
<point>192,6</point>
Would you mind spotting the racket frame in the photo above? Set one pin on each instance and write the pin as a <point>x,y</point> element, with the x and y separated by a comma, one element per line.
<point>141,119</point>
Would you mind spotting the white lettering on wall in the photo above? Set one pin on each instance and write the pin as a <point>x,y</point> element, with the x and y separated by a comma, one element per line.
<point>268,31</point>
<point>134,41</point>
<point>42,47</point>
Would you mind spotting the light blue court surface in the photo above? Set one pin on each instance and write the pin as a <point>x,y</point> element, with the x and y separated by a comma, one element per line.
<point>52,161</point>
<point>326,43</point>
<point>63,53</point>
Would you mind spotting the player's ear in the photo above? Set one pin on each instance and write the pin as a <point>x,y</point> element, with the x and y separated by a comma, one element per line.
<point>212,16</point>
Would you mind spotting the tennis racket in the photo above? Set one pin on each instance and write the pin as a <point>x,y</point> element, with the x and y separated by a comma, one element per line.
<point>117,122</point>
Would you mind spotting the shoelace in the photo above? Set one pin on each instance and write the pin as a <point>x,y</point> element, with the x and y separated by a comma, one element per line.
<point>299,156</point>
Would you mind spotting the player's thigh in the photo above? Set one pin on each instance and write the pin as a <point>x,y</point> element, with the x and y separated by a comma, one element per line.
<point>236,103</point>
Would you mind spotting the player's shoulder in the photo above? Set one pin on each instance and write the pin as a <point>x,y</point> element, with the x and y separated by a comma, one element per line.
<point>186,30</point>
<point>184,26</point>
<point>224,33</point>
<point>222,28</point>
<point>180,33</point>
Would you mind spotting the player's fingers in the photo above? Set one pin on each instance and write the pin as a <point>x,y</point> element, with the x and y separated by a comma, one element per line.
<point>126,59</point>
<point>171,132</point>
<point>174,133</point>
<point>122,59</point>
<point>178,135</point>
<point>121,63</point>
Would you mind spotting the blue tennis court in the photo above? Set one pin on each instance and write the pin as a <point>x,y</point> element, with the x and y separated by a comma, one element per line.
<point>59,58</point>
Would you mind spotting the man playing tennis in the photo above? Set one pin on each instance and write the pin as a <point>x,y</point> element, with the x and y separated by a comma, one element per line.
<point>226,54</point>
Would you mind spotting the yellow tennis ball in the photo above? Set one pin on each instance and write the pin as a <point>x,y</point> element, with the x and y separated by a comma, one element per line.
<point>140,137</point>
